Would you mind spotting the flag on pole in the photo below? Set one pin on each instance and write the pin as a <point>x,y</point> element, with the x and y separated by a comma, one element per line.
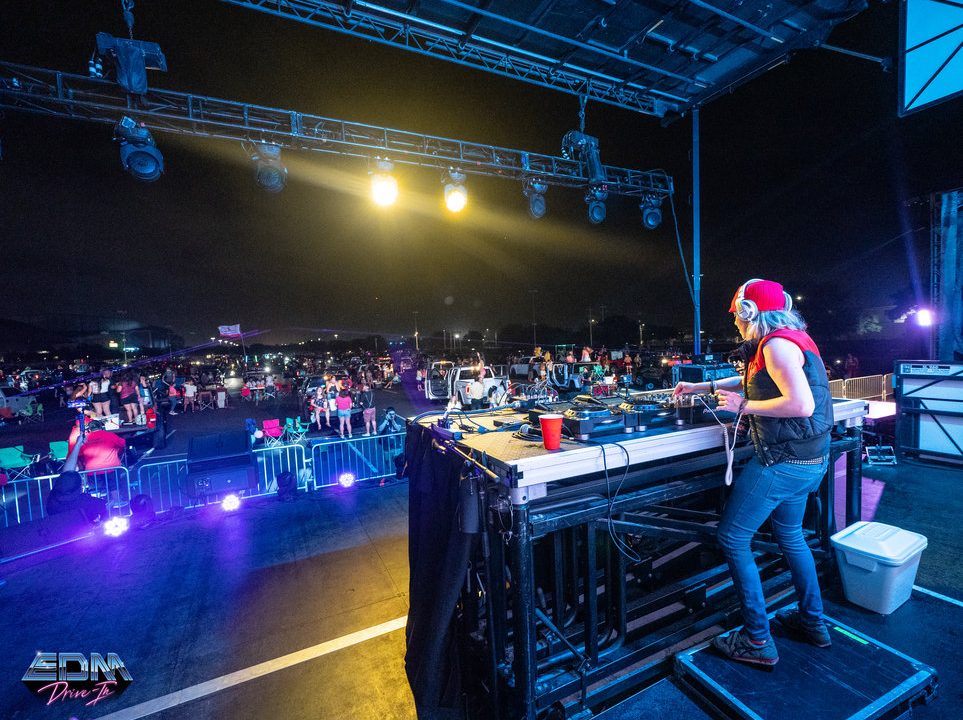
<point>229,330</point>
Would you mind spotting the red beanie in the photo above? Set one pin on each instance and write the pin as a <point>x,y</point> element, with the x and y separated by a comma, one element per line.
<point>766,294</point>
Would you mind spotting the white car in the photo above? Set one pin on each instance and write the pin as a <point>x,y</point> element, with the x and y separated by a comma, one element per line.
<point>521,368</point>
<point>445,381</point>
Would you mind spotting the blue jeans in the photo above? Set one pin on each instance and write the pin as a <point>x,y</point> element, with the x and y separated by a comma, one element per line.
<point>780,490</point>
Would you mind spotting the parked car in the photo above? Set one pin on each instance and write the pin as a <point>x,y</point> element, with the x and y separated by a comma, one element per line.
<point>521,368</point>
<point>446,381</point>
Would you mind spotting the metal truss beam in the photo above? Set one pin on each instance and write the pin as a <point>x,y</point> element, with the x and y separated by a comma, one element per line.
<point>59,94</point>
<point>407,30</point>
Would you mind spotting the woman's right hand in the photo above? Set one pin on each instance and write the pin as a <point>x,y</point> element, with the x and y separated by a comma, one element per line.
<point>684,388</point>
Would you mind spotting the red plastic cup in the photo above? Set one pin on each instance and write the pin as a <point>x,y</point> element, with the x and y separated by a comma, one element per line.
<point>551,430</point>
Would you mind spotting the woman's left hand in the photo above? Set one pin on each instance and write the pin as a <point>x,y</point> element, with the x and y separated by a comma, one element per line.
<point>729,400</point>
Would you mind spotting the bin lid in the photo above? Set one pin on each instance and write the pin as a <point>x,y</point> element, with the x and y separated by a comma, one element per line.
<point>887,544</point>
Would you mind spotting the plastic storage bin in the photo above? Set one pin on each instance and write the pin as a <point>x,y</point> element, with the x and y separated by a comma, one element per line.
<point>878,564</point>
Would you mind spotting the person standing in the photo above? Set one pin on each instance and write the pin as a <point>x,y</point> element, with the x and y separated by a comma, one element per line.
<point>99,392</point>
<point>128,398</point>
<point>369,412</point>
<point>476,391</point>
<point>190,394</point>
<point>343,405</point>
<point>789,408</point>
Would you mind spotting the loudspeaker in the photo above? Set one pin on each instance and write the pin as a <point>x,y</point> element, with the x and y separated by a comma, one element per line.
<point>929,408</point>
<point>220,462</point>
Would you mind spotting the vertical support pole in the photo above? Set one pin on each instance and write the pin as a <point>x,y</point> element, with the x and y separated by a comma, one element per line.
<point>525,667</point>
<point>854,476</point>
<point>696,238</point>
<point>590,590</point>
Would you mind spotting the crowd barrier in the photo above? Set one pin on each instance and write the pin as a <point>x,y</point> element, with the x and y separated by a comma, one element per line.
<point>24,500</point>
<point>363,458</point>
<point>870,387</point>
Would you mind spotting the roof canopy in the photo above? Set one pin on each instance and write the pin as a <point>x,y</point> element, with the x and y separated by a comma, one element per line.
<point>650,56</point>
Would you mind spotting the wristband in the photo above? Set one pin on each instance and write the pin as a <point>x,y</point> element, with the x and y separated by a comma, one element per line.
<point>712,387</point>
<point>742,405</point>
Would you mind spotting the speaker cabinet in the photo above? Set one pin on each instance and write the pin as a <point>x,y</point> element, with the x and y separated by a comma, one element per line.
<point>220,463</point>
<point>929,409</point>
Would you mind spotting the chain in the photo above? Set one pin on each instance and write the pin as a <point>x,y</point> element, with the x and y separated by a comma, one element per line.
<point>582,100</point>
<point>128,7</point>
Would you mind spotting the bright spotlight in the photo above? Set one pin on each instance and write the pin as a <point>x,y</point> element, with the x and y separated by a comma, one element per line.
<point>924,317</point>
<point>138,152</point>
<point>595,199</point>
<point>456,196</point>
<point>116,526</point>
<point>230,502</point>
<point>346,480</point>
<point>269,172</point>
<point>535,190</point>
<point>384,187</point>
<point>651,212</point>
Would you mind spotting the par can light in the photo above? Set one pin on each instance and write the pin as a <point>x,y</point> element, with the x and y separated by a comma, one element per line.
<point>456,196</point>
<point>138,152</point>
<point>384,187</point>
<point>269,172</point>
<point>535,190</point>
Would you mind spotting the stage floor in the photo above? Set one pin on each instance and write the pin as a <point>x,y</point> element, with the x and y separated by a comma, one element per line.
<point>297,610</point>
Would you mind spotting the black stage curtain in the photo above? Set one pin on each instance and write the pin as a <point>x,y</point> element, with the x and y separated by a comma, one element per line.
<point>438,553</point>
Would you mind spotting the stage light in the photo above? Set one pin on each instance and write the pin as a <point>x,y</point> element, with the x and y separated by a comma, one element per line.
<point>116,526</point>
<point>230,502</point>
<point>138,152</point>
<point>651,211</point>
<point>924,317</point>
<point>269,172</point>
<point>595,199</point>
<point>384,187</point>
<point>346,480</point>
<point>535,190</point>
<point>456,196</point>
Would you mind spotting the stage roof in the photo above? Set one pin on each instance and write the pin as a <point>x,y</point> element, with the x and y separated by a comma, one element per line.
<point>651,56</point>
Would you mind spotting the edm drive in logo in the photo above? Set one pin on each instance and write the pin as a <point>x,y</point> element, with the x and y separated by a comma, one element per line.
<point>60,677</point>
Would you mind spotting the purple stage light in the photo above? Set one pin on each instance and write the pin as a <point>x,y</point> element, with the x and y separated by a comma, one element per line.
<point>231,502</point>
<point>116,526</point>
<point>346,479</point>
<point>924,317</point>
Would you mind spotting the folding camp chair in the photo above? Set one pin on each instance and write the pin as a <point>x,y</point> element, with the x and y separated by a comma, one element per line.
<point>273,432</point>
<point>15,463</point>
<point>292,431</point>
<point>32,412</point>
<point>58,454</point>
<point>205,400</point>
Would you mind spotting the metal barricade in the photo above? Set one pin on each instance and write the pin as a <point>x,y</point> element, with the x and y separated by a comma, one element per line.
<point>889,386</point>
<point>837,388</point>
<point>363,458</point>
<point>869,387</point>
<point>25,500</point>
<point>163,480</point>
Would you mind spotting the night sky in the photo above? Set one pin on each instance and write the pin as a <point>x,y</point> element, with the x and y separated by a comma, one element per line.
<point>805,174</point>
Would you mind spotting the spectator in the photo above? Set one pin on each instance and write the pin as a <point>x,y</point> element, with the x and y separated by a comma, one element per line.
<point>99,393</point>
<point>392,423</point>
<point>369,412</point>
<point>67,493</point>
<point>343,404</point>
<point>128,398</point>
<point>477,391</point>
<point>190,395</point>
<point>586,354</point>
<point>319,404</point>
<point>851,366</point>
<point>143,393</point>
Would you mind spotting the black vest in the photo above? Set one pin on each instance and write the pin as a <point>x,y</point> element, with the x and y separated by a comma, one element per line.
<point>795,438</point>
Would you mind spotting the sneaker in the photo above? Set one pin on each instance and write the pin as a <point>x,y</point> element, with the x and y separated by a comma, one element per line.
<point>817,635</point>
<point>737,646</point>
<point>172,413</point>
<point>366,435</point>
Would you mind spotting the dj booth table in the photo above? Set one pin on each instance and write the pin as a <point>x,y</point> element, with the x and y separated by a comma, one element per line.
<point>544,584</point>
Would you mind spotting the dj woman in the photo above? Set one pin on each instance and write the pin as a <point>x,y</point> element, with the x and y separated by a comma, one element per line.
<point>790,414</point>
